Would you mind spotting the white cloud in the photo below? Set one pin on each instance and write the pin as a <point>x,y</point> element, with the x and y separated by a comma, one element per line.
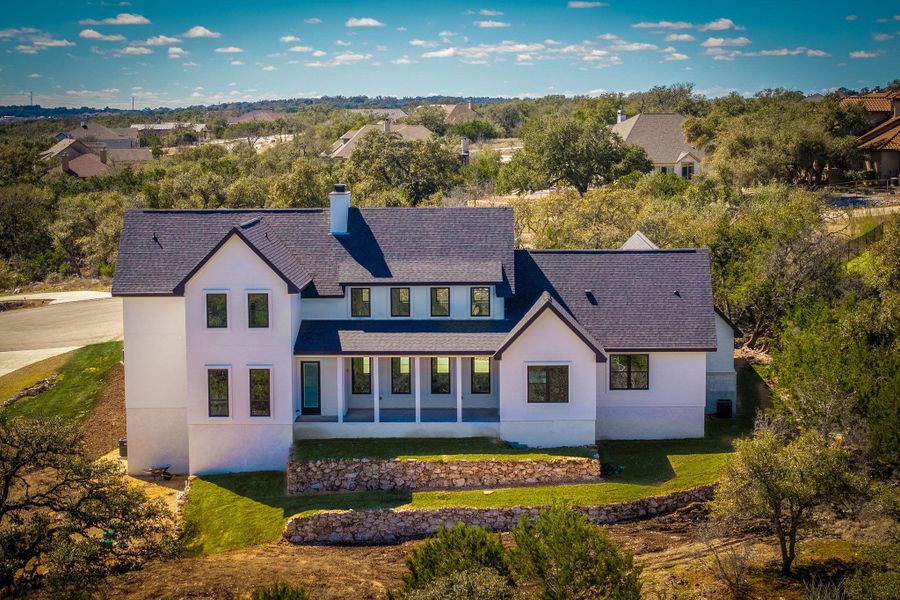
<point>34,76</point>
<point>676,56</point>
<point>363,22</point>
<point>199,31</point>
<point>269,68</point>
<point>229,50</point>
<point>160,40</point>
<point>91,34</point>
<point>423,43</point>
<point>313,20</point>
<point>237,63</point>
<point>176,52</point>
<point>490,13</point>
<point>300,49</point>
<point>402,61</point>
<point>289,39</point>
<point>401,28</point>
<point>719,25</point>
<point>851,18</point>
<point>49,42</point>
<point>119,19</point>
<point>490,24</point>
<point>345,58</point>
<point>882,37</point>
<point>16,32</point>
<point>679,37</point>
<point>343,43</point>
<point>577,4</point>
<point>866,54</point>
<point>714,42</point>
<point>189,63</point>
<point>664,25</point>
<point>611,37</point>
<point>135,51</point>
<point>623,46</point>
<point>320,53</point>
<point>552,42</point>
<point>445,53</point>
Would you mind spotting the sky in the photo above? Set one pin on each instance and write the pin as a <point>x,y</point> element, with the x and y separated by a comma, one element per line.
<point>164,53</point>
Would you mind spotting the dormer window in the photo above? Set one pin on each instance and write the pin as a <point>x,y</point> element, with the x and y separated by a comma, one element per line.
<point>360,302</point>
<point>481,301</point>
<point>440,302</point>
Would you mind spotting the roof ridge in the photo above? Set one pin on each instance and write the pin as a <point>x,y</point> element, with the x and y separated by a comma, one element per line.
<point>609,250</point>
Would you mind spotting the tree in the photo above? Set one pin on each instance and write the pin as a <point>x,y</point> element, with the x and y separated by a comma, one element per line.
<point>474,584</point>
<point>570,151</point>
<point>430,116</point>
<point>563,556</point>
<point>783,483</point>
<point>678,97</point>
<point>25,213</point>
<point>506,115</point>
<point>66,520</point>
<point>474,130</point>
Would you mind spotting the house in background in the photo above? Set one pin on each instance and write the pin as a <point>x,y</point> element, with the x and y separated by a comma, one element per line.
<point>459,113</point>
<point>881,142</point>
<point>247,329</point>
<point>661,135</point>
<point>255,116</point>
<point>198,129</point>
<point>343,146</point>
<point>92,159</point>
<point>93,133</point>
<point>879,106</point>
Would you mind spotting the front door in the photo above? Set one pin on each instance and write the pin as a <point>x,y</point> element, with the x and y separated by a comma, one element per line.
<point>310,388</point>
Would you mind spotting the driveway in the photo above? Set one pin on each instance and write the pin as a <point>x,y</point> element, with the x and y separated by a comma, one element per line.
<point>31,334</point>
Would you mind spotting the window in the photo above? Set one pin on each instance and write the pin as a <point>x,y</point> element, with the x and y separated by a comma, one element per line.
<point>440,375</point>
<point>217,392</point>
<point>217,310</point>
<point>361,375</point>
<point>360,302</point>
<point>399,302</point>
<point>440,302</point>
<point>629,371</point>
<point>481,301</point>
<point>481,375</point>
<point>400,379</point>
<point>687,170</point>
<point>257,310</point>
<point>260,393</point>
<point>548,384</point>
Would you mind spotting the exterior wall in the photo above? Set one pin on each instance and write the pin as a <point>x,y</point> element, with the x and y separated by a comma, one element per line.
<point>721,379</point>
<point>155,383</point>
<point>420,304</point>
<point>885,163</point>
<point>310,430</point>
<point>672,407</point>
<point>548,341</point>
<point>239,441</point>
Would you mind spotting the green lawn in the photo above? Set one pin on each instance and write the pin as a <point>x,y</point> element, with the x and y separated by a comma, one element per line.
<point>18,380</point>
<point>479,448</point>
<point>78,386</point>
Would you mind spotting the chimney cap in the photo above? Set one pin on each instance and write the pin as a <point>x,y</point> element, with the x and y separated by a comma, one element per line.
<point>340,188</point>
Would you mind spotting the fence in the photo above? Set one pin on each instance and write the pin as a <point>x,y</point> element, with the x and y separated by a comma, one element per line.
<point>859,244</point>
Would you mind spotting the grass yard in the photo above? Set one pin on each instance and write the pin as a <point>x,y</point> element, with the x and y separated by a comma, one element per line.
<point>77,388</point>
<point>16,381</point>
<point>426,449</point>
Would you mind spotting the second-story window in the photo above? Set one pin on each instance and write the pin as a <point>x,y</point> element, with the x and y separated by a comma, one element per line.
<point>360,302</point>
<point>440,302</point>
<point>257,310</point>
<point>216,310</point>
<point>399,302</point>
<point>481,302</point>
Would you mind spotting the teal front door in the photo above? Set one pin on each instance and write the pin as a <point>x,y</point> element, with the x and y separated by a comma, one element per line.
<point>310,386</point>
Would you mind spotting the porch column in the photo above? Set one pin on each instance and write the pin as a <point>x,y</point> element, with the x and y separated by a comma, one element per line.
<point>418,384</point>
<point>340,388</point>
<point>376,390</point>
<point>459,389</point>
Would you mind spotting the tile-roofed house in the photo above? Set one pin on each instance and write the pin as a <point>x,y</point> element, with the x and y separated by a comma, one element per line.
<point>879,106</point>
<point>255,116</point>
<point>881,146</point>
<point>247,329</point>
<point>661,135</point>
<point>343,147</point>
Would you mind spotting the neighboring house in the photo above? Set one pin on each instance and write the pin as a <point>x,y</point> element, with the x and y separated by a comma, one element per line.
<point>198,128</point>
<point>89,132</point>
<point>391,114</point>
<point>662,136</point>
<point>881,146</point>
<point>879,106</point>
<point>91,160</point>
<point>343,146</point>
<point>459,113</point>
<point>256,116</point>
<point>247,329</point>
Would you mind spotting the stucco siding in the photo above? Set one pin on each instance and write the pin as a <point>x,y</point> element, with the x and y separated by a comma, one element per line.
<point>247,447</point>
<point>721,381</point>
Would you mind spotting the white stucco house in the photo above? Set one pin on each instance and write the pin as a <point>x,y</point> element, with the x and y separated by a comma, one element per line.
<point>247,329</point>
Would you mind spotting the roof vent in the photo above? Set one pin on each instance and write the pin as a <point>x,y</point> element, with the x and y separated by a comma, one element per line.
<point>590,297</point>
<point>677,293</point>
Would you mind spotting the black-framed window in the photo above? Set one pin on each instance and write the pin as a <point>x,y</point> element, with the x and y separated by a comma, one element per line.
<point>216,310</point>
<point>401,382</point>
<point>217,392</point>
<point>400,302</point>
<point>481,301</point>
<point>440,374</point>
<point>440,302</point>
<point>257,310</point>
<point>360,375</point>
<point>687,170</point>
<point>629,371</point>
<point>481,375</point>
<point>260,392</point>
<point>360,302</point>
<point>548,384</point>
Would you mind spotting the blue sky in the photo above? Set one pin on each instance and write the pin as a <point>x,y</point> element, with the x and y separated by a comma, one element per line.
<point>167,53</point>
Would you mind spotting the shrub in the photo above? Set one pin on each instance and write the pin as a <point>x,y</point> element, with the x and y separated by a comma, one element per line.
<point>453,550</point>
<point>884,585</point>
<point>280,590</point>
<point>563,556</point>
<point>475,584</point>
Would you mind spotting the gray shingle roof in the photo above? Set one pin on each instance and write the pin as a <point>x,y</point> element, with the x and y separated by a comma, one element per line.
<point>401,337</point>
<point>660,134</point>
<point>632,304</point>
<point>388,245</point>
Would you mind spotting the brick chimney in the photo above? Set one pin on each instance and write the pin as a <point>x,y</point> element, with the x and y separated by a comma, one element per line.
<point>339,201</point>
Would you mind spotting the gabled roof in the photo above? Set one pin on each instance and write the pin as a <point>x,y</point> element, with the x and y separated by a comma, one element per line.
<point>638,241</point>
<point>87,165</point>
<point>660,134</point>
<point>628,300</point>
<point>885,136</point>
<point>383,246</point>
<point>343,147</point>
<point>544,303</point>
<point>129,155</point>
<point>874,101</point>
<point>64,144</point>
<point>94,131</point>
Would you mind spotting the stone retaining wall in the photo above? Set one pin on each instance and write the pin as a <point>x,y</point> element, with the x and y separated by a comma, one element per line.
<point>388,526</point>
<point>369,474</point>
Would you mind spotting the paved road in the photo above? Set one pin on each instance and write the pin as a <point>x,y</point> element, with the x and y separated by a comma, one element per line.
<point>32,334</point>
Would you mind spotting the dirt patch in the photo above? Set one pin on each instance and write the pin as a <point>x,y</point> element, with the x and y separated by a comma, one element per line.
<point>105,424</point>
